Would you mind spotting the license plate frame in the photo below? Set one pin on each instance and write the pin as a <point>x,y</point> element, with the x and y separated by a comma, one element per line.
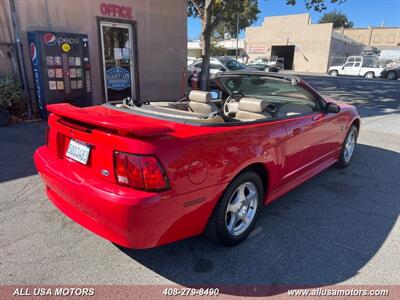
<point>78,151</point>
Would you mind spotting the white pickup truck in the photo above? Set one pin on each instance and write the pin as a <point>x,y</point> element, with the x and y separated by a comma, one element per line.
<point>356,68</point>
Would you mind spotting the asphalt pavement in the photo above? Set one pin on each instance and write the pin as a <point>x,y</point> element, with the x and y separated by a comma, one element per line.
<point>341,227</point>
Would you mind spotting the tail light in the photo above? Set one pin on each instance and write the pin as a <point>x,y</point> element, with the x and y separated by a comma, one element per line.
<point>143,172</point>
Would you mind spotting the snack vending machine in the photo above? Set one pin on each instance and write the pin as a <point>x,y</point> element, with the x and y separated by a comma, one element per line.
<point>61,68</point>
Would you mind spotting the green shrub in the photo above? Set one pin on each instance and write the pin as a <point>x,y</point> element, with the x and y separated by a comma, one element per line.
<point>11,95</point>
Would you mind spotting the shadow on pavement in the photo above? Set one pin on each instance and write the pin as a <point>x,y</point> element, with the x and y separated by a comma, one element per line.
<point>371,97</point>
<point>321,233</point>
<point>18,142</point>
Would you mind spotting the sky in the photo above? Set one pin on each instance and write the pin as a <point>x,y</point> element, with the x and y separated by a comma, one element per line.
<point>362,12</point>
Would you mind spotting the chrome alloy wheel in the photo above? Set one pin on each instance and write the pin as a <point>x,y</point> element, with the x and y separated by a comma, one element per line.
<point>350,145</point>
<point>241,209</point>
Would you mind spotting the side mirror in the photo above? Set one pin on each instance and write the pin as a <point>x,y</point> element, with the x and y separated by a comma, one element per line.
<point>332,108</point>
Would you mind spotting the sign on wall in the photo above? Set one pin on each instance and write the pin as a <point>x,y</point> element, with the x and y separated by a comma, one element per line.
<point>257,49</point>
<point>118,78</point>
<point>116,11</point>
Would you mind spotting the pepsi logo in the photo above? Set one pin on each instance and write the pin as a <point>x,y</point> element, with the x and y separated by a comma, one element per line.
<point>50,39</point>
<point>33,54</point>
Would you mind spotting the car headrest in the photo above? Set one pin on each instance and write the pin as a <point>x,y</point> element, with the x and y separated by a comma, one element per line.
<point>252,105</point>
<point>200,96</point>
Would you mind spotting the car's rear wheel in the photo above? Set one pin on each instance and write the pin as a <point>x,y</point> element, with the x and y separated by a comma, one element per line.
<point>237,211</point>
<point>334,73</point>
<point>392,75</point>
<point>348,147</point>
<point>369,75</point>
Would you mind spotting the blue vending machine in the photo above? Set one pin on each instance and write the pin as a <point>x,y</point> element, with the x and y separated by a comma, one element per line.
<point>61,68</point>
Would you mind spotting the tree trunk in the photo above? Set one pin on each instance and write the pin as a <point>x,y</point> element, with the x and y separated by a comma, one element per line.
<point>206,47</point>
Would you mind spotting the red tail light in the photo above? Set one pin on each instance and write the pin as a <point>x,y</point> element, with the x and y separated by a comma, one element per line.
<point>142,172</point>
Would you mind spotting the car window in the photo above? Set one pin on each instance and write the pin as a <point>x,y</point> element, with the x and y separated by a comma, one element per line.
<point>357,65</point>
<point>198,65</point>
<point>348,65</point>
<point>234,65</point>
<point>274,90</point>
<point>215,66</point>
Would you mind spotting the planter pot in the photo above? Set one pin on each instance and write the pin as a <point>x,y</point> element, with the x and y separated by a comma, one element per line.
<point>4,118</point>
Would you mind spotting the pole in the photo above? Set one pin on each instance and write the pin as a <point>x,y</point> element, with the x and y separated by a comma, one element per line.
<point>237,31</point>
<point>21,63</point>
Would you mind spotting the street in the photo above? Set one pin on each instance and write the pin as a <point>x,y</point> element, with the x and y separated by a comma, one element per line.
<point>341,227</point>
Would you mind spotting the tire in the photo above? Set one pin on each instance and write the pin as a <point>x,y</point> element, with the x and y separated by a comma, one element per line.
<point>345,157</point>
<point>392,75</point>
<point>334,73</point>
<point>221,228</point>
<point>369,75</point>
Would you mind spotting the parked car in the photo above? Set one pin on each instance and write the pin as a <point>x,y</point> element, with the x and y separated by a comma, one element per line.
<point>217,64</point>
<point>357,66</point>
<point>355,69</point>
<point>392,73</point>
<point>264,64</point>
<point>146,174</point>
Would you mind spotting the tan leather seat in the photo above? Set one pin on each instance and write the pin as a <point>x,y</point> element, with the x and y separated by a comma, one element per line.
<point>200,102</point>
<point>251,109</point>
<point>292,109</point>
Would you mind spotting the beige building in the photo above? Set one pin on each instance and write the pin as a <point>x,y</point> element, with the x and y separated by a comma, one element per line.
<point>147,38</point>
<point>379,37</point>
<point>305,47</point>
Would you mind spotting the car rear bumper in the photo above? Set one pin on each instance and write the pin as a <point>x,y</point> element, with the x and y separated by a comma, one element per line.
<point>130,218</point>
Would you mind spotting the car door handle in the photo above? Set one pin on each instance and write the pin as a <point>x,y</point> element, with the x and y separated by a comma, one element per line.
<point>317,117</point>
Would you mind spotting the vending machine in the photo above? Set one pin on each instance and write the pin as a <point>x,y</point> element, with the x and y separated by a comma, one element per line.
<point>61,68</point>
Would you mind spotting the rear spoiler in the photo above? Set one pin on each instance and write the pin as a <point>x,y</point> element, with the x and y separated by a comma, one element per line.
<point>111,120</point>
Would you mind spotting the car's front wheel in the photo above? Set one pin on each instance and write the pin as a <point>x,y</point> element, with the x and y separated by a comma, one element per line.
<point>348,147</point>
<point>237,211</point>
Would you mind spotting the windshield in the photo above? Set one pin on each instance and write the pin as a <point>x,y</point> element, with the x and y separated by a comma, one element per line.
<point>261,86</point>
<point>233,65</point>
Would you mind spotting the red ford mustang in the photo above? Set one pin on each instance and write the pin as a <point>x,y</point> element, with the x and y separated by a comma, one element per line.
<point>147,174</point>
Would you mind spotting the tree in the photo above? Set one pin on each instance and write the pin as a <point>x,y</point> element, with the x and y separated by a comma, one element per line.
<point>338,19</point>
<point>213,12</point>
<point>317,5</point>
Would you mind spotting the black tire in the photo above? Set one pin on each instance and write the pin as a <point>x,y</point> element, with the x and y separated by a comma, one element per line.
<point>343,162</point>
<point>391,75</point>
<point>334,73</point>
<point>216,229</point>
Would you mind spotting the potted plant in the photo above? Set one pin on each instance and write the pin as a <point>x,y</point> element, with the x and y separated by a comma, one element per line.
<point>11,99</point>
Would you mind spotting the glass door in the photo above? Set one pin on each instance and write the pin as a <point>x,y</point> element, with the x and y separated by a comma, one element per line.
<point>118,60</point>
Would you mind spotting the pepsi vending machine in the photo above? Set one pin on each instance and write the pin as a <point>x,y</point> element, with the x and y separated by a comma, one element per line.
<point>61,68</point>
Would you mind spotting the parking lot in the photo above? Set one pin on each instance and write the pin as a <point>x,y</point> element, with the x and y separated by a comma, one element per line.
<point>341,227</point>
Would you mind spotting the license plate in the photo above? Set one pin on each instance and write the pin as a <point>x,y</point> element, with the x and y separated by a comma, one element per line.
<point>78,151</point>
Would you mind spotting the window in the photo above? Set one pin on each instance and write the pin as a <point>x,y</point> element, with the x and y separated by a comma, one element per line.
<point>233,65</point>
<point>276,91</point>
<point>215,66</point>
<point>357,65</point>
<point>348,65</point>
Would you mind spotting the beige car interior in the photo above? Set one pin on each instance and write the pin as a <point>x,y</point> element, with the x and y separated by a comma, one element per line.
<point>200,102</point>
<point>252,109</point>
<point>201,108</point>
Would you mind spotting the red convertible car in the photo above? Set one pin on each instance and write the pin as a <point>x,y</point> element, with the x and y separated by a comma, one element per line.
<point>147,174</point>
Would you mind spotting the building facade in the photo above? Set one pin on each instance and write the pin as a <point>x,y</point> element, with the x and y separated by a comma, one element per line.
<point>145,40</point>
<point>305,47</point>
<point>378,37</point>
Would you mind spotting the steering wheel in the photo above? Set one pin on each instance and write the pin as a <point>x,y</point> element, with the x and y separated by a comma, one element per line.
<point>226,104</point>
